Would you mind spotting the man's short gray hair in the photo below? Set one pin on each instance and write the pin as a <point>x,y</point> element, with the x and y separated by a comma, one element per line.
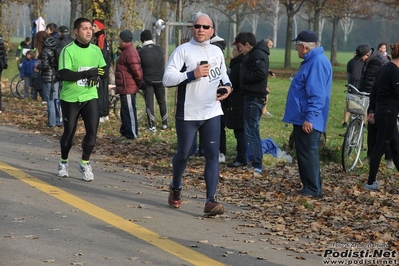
<point>309,45</point>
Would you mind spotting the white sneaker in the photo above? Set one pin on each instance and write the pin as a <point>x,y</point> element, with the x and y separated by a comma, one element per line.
<point>222,158</point>
<point>102,120</point>
<point>86,171</point>
<point>152,129</point>
<point>106,118</point>
<point>164,127</point>
<point>63,169</point>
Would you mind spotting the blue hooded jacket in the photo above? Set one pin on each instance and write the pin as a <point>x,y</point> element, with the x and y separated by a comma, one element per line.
<point>308,97</point>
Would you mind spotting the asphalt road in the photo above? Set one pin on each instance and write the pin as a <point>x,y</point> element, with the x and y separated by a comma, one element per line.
<point>118,219</point>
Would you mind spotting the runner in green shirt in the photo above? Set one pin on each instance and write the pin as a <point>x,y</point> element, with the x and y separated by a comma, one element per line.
<point>81,65</point>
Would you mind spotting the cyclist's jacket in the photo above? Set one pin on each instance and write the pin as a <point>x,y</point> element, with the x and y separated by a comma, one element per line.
<point>196,99</point>
<point>308,97</point>
<point>370,70</point>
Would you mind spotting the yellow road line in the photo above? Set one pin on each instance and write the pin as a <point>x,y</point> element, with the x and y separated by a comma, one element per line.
<point>140,232</point>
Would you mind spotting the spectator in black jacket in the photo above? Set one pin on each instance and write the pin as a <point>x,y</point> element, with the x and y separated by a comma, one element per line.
<point>234,113</point>
<point>254,73</point>
<point>373,60</point>
<point>48,66</point>
<point>101,41</point>
<point>153,66</point>
<point>354,69</point>
<point>65,37</point>
<point>3,65</point>
<point>383,113</point>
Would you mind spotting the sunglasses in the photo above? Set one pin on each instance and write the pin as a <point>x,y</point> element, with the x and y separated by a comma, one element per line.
<point>205,27</point>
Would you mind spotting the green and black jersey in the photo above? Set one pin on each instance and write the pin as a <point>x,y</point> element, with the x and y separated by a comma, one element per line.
<point>77,59</point>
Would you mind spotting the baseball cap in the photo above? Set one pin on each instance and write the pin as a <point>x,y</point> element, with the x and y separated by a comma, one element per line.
<point>306,36</point>
<point>361,51</point>
<point>63,29</point>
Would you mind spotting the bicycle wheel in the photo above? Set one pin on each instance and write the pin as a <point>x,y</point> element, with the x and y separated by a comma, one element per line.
<point>20,88</point>
<point>13,86</point>
<point>352,145</point>
<point>140,105</point>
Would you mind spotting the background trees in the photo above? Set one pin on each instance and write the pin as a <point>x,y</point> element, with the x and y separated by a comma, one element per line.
<point>341,24</point>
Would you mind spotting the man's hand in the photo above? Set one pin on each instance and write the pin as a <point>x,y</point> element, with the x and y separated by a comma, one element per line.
<point>307,127</point>
<point>201,71</point>
<point>93,81</point>
<point>93,72</point>
<point>220,97</point>
<point>371,118</point>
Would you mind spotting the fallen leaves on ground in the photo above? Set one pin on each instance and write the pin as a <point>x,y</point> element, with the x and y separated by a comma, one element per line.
<point>346,213</point>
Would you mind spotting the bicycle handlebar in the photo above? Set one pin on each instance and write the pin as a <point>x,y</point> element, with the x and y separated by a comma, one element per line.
<point>353,89</point>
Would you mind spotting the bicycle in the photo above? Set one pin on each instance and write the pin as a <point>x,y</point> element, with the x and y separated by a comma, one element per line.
<point>115,103</point>
<point>357,103</point>
<point>15,87</point>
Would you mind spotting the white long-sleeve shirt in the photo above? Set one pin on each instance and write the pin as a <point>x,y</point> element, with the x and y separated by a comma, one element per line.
<point>196,97</point>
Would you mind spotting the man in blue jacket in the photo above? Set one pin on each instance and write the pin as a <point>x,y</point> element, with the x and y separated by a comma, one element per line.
<point>308,102</point>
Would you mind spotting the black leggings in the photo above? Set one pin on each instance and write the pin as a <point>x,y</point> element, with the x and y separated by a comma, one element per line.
<point>89,112</point>
<point>387,136</point>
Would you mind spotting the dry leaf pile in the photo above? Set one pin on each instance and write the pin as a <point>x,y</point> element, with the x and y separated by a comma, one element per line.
<point>346,213</point>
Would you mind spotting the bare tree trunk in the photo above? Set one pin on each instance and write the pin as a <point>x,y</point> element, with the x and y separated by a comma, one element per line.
<point>74,4</point>
<point>287,57</point>
<point>334,44</point>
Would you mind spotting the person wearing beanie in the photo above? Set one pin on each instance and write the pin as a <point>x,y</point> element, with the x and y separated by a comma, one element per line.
<point>128,80</point>
<point>153,66</point>
<point>101,41</point>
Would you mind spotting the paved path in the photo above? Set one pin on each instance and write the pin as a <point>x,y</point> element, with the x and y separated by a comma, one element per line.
<point>118,219</point>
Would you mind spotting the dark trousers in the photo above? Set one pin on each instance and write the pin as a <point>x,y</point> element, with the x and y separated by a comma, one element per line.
<point>157,89</point>
<point>129,125</point>
<point>241,146</point>
<point>103,98</point>
<point>89,113</point>
<point>210,135</point>
<point>307,151</point>
<point>371,140</point>
<point>386,136</point>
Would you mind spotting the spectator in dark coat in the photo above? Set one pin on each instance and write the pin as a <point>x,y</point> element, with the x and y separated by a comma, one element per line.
<point>234,113</point>
<point>101,41</point>
<point>128,80</point>
<point>153,65</point>
<point>65,36</point>
<point>3,65</point>
<point>373,60</point>
<point>48,66</point>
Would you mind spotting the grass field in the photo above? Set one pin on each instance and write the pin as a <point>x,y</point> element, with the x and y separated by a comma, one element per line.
<point>272,126</point>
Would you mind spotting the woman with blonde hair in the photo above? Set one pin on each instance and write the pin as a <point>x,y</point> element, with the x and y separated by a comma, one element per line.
<point>383,112</point>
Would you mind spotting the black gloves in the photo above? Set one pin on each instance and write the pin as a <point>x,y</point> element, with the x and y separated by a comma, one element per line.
<point>93,81</point>
<point>94,72</point>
